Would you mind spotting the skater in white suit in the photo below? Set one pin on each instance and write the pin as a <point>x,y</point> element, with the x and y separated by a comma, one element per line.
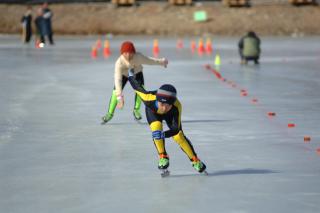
<point>129,59</point>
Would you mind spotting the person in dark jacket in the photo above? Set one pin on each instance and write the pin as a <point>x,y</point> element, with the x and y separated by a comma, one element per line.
<point>39,22</point>
<point>163,105</point>
<point>249,48</point>
<point>26,21</point>
<point>47,15</point>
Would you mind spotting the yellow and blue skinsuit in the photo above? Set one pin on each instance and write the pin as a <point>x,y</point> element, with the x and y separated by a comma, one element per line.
<point>172,118</point>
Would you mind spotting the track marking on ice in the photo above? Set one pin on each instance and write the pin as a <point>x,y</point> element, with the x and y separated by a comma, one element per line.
<point>244,93</point>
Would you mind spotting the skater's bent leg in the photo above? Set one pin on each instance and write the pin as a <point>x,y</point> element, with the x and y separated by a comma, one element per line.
<point>113,100</point>
<point>136,109</point>
<point>112,103</point>
<point>160,146</point>
<point>185,144</point>
<point>187,147</point>
<point>157,126</point>
<point>137,100</point>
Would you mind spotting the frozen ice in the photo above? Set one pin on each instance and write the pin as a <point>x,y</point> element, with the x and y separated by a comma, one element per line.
<point>56,157</point>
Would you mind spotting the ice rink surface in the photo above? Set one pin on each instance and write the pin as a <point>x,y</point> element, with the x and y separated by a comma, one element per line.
<point>56,157</point>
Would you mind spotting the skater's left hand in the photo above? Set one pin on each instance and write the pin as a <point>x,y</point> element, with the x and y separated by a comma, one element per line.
<point>120,103</point>
<point>165,62</point>
<point>157,135</point>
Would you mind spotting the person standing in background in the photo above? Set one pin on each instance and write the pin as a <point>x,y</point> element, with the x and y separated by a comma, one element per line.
<point>26,21</point>
<point>39,22</point>
<point>47,15</point>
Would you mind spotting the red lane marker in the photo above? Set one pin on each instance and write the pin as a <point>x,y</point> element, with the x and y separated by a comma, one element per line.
<point>254,100</point>
<point>244,94</point>
<point>271,113</point>
<point>291,125</point>
<point>307,139</point>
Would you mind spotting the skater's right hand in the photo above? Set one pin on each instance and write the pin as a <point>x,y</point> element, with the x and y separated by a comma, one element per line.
<point>120,103</point>
<point>165,62</point>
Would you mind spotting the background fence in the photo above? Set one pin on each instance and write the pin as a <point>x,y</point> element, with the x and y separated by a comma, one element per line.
<point>253,2</point>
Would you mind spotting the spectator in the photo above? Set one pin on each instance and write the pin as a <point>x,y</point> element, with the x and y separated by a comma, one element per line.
<point>47,15</point>
<point>249,48</point>
<point>26,21</point>
<point>39,22</point>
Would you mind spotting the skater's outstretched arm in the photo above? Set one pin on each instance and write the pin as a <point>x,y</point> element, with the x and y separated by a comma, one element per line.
<point>134,83</point>
<point>143,94</point>
<point>141,59</point>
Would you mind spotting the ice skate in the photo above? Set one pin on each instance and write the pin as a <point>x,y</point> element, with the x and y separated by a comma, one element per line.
<point>163,165</point>
<point>163,161</point>
<point>137,115</point>
<point>164,172</point>
<point>106,118</point>
<point>199,166</point>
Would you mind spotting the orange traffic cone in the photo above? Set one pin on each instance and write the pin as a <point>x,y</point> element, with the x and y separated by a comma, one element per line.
<point>98,44</point>
<point>94,52</point>
<point>193,46</point>
<point>156,49</point>
<point>106,49</point>
<point>201,48</point>
<point>307,139</point>
<point>208,46</point>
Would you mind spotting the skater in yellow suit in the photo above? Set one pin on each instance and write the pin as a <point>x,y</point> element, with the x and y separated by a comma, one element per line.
<point>162,105</point>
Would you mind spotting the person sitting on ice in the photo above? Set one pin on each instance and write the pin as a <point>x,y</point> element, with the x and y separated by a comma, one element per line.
<point>163,105</point>
<point>129,59</point>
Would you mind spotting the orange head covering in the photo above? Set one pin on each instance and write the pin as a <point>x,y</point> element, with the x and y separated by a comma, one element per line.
<point>127,46</point>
